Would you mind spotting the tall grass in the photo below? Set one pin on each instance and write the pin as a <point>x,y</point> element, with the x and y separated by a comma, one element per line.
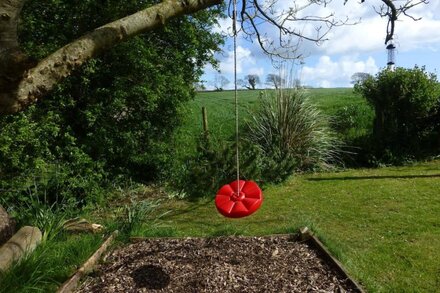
<point>287,124</point>
<point>50,264</point>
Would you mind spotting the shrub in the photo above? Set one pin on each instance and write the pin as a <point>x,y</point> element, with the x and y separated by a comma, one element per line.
<point>39,157</point>
<point>113,117</point>
<point>405,102</point>
<point>137,213</point>
<point>214,165</point>
<point>292,134</point>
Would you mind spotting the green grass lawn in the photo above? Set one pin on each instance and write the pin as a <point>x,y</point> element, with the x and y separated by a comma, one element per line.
<point>383,224</point>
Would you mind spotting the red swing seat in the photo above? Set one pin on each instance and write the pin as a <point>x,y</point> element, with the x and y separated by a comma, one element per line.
<point>233,205</point>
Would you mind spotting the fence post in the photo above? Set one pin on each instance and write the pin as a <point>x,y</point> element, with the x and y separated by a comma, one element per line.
<point>205,121</point>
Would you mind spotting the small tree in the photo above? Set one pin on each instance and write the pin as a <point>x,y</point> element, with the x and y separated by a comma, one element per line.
<point>275,80</point>
<point>405,102</point>
<point>359,77</point>
<point>220,81</point>
<point>252,80</point>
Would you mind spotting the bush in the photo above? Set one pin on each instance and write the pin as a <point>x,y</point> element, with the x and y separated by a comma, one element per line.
<point>113,117</point>
<point>406,102</point>
<point>292,134</point>
<point>214,165</point>
<point>39,157</point>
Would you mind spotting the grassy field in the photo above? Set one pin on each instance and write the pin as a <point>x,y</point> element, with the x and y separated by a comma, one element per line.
<point>220,106</point>
<point>383,224</point>
<point>221,111</point>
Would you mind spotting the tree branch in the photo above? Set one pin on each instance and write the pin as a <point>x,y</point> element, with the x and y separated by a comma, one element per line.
<point>40,79</point>
<point>392,12</point>
<point>258,16</point>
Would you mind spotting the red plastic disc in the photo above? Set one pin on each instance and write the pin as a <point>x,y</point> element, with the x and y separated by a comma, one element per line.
<point>233,205</point>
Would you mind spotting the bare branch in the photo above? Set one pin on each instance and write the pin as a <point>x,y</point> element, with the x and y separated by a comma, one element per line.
<point>257,17</point>
<point>389,10</point>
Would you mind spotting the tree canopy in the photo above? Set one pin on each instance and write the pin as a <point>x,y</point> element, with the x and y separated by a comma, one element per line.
<point>24,80</point>
<point>114,115</point>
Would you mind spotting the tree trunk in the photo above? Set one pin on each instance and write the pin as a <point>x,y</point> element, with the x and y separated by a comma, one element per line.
<point>22,83</point>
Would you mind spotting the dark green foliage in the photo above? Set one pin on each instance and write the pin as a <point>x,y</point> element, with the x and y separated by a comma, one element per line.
<point>353,124</point>
<point>214,165</point>
<point>40,161</point>
<point>406,102</point>
<point>113,118</point>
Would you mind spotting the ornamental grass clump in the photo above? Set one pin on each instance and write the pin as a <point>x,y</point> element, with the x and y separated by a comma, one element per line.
<point>292,133</point>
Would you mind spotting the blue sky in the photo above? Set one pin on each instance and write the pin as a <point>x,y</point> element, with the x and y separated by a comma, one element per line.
<point>350,49</point>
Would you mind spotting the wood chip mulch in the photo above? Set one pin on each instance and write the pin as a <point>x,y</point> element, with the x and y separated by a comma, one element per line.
<point>219,264</point>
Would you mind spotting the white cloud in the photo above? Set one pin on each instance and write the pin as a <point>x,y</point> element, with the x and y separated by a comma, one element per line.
<point>418,35</point>
<point>246,64</point>
<point>369,34</point>
<point>244,57</point>
<point>329,73</point>
<point>349,48</point>
<point>255,71</point>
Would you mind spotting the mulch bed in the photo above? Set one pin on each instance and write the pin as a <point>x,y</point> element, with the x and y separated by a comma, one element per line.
<point>219,264</point>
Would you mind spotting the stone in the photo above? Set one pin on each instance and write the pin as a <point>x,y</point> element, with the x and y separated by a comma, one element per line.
<point>7,226</point>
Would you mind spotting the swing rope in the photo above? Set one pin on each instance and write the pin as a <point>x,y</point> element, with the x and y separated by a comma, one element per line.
<point>238,201</point>
<point>237,137</point>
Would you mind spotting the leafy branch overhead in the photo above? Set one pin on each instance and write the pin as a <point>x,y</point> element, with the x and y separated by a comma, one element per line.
<point>24,81</point>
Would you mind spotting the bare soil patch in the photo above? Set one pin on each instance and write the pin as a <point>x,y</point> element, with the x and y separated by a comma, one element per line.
<point>219,264</point>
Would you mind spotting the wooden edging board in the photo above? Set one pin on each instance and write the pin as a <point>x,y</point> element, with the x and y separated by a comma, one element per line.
<point>88,266</point>
<point>304,235</point>
<point>18,246</point>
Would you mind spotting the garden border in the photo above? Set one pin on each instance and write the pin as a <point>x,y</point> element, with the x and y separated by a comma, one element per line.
<point>71,284</point>
<point>306,235</point>
<point>303,235</point>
